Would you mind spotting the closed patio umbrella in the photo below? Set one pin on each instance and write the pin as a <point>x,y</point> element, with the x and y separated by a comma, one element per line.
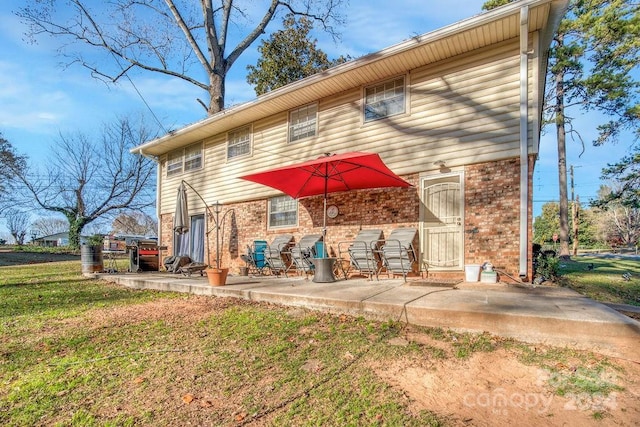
<point>330,174</point>
<point>181,219</point>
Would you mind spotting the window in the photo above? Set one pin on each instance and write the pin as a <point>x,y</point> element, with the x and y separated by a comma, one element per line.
<point>174,163</point>
<point>193,157</point>
<point>384,100</point>
<point>184,159</point>
<point>302,122</point>
<point>283,212</point>
<point>239,142</point>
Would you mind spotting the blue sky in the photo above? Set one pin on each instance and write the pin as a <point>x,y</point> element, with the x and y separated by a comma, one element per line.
<point>39,98</point>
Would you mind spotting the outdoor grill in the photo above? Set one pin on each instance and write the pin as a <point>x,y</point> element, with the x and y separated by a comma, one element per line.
<point>144,255</point>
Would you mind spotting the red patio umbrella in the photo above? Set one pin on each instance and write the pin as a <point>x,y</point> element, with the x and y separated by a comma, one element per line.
<point>330,174</point>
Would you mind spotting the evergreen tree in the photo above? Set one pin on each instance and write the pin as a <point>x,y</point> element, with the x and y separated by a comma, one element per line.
<point>287,56</point>
<point>548,223</point>
<point>592,63</point>
<point>626,174</point>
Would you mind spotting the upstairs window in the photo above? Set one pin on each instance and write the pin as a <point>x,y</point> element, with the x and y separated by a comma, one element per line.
<point>302,122</point>
<point>384,100</point>
<point>239,142</point>
<point>184,159</point>
<point>174,163</point>
<point>193,157</point>
<point>283,212</point>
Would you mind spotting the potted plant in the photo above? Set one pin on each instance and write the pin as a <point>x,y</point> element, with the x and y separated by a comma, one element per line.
<point>217,276</point>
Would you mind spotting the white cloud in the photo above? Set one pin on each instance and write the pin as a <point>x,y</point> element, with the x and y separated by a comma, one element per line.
<point>26,101</point>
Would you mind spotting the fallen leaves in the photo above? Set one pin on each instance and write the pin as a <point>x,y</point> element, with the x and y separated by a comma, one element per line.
<point>203,402</point>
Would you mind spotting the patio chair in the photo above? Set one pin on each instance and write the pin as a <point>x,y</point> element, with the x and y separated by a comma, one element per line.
<point>397,251</point>
<point>255,257</point>
<point>276,254</point>
<point>363,253</point>
<point>303,252</point>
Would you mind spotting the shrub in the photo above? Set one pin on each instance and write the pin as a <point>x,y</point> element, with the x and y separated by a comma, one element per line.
<point>547,266</point>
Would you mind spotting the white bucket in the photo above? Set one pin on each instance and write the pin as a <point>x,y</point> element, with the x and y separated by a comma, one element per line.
<point>472,272</point>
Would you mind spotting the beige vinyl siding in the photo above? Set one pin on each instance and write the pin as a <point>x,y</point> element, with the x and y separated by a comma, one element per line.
<point>463,110</point>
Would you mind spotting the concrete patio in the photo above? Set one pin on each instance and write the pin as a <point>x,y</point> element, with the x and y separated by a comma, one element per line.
<point>548,315</point>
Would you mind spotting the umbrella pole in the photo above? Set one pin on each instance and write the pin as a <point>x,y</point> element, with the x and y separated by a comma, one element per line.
<point>326,190</point>
<point>324,220</point>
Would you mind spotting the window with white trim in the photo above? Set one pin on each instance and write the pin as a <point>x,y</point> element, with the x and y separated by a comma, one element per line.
<point>239,142</point>
<point>283,212</point>
<point>174,163</point>
<point>384,100</point>
<point>184,159</point>
<point>303,122</point>
<point>193,157</point>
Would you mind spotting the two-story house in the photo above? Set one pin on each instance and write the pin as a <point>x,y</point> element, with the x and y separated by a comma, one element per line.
<point>456,112</point>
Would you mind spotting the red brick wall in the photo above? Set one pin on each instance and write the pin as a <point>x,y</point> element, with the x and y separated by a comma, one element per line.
<point>492,200</point>
<point>492,215</point>
<point>166,233</point>
<point>383,208</point>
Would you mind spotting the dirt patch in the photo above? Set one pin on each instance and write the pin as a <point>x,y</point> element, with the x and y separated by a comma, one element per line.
<point>488,388</point>
<point>495,388</point>
<point>10,258</point>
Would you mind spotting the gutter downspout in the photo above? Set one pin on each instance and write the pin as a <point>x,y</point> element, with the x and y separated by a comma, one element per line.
<point>157,161</point>
<point>524,139</point>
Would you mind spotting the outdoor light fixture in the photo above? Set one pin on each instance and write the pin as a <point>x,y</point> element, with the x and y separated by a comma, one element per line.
<point>439,163</point>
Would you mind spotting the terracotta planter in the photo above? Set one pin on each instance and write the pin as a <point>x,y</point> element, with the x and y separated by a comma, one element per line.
<point>244,271</point>
<point>217,276</point>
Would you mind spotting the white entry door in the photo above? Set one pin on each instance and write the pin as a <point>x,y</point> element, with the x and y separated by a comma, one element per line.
<point>442,242</point>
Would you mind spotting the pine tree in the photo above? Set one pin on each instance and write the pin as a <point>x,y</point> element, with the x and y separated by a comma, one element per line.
<point>287,56</point>
<point>592,62</point>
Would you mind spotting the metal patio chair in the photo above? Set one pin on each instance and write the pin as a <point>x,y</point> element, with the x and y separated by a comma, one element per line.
<point>363,253</point>
<point>303,252</point>
<point>255,257</point>
<point>277,255</point>
<point>397,251</point>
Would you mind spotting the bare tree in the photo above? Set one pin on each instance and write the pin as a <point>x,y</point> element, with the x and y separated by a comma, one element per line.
<point>138,223</point>
<point>619,222</point>
<point>46,226</point>
<point>87,181</point>
<point>168,37</point>
<point>18,224</point>
<point>620,225</point>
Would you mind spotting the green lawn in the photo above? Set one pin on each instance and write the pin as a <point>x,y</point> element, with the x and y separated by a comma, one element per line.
<point>602,279</point>
<point>77,351</point>
<point>82,352</point>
